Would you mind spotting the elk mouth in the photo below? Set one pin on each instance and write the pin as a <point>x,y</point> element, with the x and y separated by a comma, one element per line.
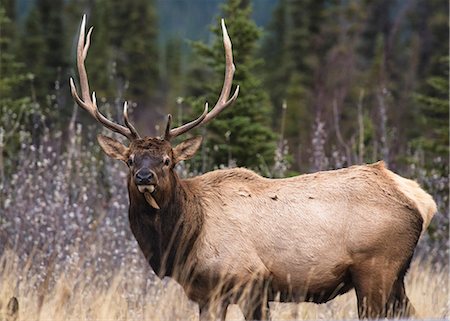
<point>147,190</point>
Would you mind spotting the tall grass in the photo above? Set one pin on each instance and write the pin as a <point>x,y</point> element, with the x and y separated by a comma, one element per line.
<point>67,253</point>
<point>83,295</point>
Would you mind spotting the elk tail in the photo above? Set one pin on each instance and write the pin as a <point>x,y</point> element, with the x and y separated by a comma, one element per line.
<point>424,202</point>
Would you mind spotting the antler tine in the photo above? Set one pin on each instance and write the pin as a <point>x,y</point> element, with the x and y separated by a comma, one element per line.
<point>223,101</point>
<point>86,102</point>
<point>171,133</point>
<point>127,121</point>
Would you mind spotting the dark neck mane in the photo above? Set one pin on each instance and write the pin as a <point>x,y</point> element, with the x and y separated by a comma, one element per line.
<point>166,236</point>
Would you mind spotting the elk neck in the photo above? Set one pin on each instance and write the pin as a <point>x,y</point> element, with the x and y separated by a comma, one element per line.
<point>167,236</point>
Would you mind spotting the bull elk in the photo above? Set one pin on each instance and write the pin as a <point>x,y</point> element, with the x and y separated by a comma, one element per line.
<point>232,236</point>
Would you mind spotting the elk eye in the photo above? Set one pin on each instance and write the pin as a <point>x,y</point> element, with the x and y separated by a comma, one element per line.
<point>130,161</point>
<point>166,161</point>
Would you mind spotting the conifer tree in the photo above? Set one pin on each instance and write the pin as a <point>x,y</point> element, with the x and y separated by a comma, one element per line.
<point>434,106</point>
<point>290,53</point>
<point>128,47</point>
<point>15,102</point>
<point>275,54</point>
<point>173,72</point>
<point>241,133</point>
<point>43,46</point>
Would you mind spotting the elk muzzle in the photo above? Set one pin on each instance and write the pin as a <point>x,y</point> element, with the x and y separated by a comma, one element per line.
<point>146,181</point>
<point>145,176</point>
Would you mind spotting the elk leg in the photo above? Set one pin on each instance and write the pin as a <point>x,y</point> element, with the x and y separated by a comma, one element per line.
<point>222,313</point>
<point>373,285</point>
<point>399,304</point>
<point>211,311</point>
<point>205,314</point>
<point>258,310</point>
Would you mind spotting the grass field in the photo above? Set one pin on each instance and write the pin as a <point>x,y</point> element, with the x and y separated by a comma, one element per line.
<point>84,295</point>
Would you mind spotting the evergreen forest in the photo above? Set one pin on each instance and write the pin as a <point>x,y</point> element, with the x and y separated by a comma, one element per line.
<point>325,84</point>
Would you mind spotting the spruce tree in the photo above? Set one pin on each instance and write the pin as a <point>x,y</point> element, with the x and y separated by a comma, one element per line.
<point>290,51</point>
<point>33,52</point>
<point>43,46</point>
<point>173,80</point>
<point>274,51</point>
<point>15,102</point>
<point>434,107</point>
<point>133,42</point>
<point>241,133</point>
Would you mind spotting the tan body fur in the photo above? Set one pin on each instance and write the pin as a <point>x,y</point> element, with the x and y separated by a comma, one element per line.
<point>306,234</point>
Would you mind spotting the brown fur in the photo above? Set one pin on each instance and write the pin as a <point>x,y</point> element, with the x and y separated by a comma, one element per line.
<point>232,236</point>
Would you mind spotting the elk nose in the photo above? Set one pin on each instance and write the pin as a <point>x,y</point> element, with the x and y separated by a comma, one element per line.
<point>144,176</point>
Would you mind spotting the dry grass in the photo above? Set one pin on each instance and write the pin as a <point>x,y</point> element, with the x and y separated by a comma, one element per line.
<point>80,296</point>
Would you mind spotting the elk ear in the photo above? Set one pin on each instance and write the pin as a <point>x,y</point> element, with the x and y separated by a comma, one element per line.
<point>186,149</point>
<point>113,148</point>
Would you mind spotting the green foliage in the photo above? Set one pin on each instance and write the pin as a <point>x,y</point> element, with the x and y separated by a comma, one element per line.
<point>43,47</point>
<point>124,56</point>
<point>434,105</point>
<point>16,109</point>
<point>139,67</point>
<point>290,52</point>
<point>33,52</point>
<point>242,133</point>
<point>320,55</point>
<point>173,81</point>
<point>317,55</point>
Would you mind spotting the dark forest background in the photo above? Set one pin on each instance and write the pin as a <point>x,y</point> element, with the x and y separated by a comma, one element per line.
<point>324,84</point>
<point>359,80</point>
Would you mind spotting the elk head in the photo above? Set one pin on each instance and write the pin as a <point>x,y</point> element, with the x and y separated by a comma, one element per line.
<point>150,159</point>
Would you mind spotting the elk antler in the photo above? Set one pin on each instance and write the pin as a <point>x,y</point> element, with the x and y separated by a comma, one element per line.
<point>89,104</point>
<point>223,101</point>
